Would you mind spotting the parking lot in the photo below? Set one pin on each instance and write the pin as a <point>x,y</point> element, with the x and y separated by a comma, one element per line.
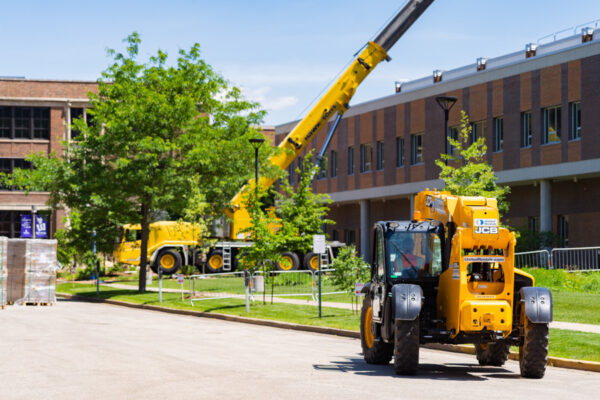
<point>94,351</point>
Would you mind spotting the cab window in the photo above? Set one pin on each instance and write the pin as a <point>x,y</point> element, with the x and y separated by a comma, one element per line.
<point>379,254</point>
<point>133,235</point>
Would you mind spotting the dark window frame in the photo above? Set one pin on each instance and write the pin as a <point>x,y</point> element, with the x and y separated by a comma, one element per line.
<point>399,152</point>
<point>417,150</point>
<point>498,134</point>
<point>25,123</point>
<point>333,163</point>
<point>551,115</point>
<point>366,151</point>
<point>380,156</point>
<point>575,120</point>
<point>526,129</point>
<point>350,161</point>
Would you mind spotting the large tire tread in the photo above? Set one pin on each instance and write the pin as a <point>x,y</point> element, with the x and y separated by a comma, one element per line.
<point>495,354</point>
<point>406,347</point>
<point>380,353</point>
<point>533,354</point>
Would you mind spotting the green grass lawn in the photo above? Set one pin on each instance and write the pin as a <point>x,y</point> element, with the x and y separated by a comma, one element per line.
<point>566,344</point>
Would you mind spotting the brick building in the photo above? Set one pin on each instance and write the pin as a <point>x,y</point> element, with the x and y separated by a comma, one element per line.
<point>537,109</point>
<point>35,117</point>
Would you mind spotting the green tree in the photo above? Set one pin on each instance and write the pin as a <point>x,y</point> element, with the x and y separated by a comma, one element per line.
<point>348,269</point>
<point>302,212</point>
<point>465,171</point>
<point>163,137</point>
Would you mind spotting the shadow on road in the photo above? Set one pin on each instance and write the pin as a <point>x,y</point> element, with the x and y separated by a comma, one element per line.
<point>450,371</point>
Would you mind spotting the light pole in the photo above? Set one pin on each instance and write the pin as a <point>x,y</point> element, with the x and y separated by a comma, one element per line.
<point>256,143</point>
<point>446,102</point>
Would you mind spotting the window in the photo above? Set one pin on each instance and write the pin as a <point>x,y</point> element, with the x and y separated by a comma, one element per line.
<point>349,236</point>
<point>452,133</point>
<point>8,165</point>
<point>416,149</point>
<point>366,157</point>
<point>10,222</point>
<point>322,168</point>
<point>477,131</point>
<point>379,156</point>
<point>333,162</point>
<point>551,125</point>
<point>291,173</point>
<point>575,120</point>
<point>75,113</point>
<point>533,224</point>
<point>25,122</point>
<point>563,230</point>
<point>379,253</point>
<point>350,160</point>
<point>498,134</point>
<point>526,129</point>
<point>335,236</point>
<point>399,152</point>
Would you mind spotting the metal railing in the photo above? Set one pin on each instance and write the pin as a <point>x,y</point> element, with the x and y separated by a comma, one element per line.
<point>570,259</point>
<point>576,259</point>
<point>285,283</point>
<point>533,259</point>
<point>222,286</point>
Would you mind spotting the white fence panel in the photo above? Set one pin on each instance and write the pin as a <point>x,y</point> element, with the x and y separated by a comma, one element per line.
<point>533,259</point>
<point>576,258</point>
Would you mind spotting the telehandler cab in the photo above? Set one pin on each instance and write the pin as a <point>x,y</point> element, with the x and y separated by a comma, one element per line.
<point>448,276</point>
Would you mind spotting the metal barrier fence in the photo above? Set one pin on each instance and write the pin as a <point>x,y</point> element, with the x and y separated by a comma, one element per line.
<point>285,284</point>
<point>571,259</point>
<point>211,286</point>
<point>576,259</point>
<point>533,259</point>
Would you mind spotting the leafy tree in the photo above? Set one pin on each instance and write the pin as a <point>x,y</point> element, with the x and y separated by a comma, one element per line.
<point>302,212</point>
<point>163,137</point>
<point>349,268</point>
<point>473,176</point>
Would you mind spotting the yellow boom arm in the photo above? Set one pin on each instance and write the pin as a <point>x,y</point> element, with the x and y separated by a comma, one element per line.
<point>335,101</point>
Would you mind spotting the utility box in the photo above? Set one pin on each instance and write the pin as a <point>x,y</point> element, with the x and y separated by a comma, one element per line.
<point>32,269</point>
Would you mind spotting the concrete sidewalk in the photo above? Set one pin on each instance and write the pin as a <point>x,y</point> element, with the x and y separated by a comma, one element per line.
<point>570,326</point>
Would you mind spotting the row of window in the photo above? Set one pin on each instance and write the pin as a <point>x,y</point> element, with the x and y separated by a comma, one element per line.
<point>24,122</point>
<point>10,222</point>
<point>551,133</point>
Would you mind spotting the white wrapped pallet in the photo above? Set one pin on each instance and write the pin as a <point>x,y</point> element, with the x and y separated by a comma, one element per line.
<point>31,271</point>
<point>3,272</point>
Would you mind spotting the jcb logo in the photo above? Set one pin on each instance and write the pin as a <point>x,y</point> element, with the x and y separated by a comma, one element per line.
<point>486,230</point>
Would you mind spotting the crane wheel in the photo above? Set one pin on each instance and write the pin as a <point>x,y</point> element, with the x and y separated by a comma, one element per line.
<point>289,262</point>
<point>214,262</point>
<point>311,261</point>
<point>533,353</point>
<point>494,354</point>
<point>374,351</point>
<point>169,260</point>
<point>406,347</point>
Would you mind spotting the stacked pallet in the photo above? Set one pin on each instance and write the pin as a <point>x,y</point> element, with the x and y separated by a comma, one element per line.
<point>31,271</point>
<point>3,272</point>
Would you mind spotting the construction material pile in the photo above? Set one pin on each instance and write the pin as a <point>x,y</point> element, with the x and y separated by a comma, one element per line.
<point>3,272</point>
<point>31,271</point>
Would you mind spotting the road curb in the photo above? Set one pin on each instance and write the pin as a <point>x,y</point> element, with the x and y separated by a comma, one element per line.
<point>590,366</point>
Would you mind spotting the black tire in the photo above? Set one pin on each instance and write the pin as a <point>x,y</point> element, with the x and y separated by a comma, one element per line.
<point>406,347</point>
<point>311,261</point>
<point>533,354</point>
<point>169,260</point>
<point>291,262</point>
<point>214,261</point>
<point>374,351</point>
<point>494,354</point>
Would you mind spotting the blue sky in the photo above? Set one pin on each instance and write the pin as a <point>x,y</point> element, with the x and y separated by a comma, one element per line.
<point>282,53</point>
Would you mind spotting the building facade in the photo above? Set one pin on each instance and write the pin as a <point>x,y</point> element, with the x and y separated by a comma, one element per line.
<point>35,117</point>
<point>538,111</point>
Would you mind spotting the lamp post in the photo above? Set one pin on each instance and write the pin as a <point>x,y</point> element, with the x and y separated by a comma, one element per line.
<point>446,102</point>
<point>256,143</point>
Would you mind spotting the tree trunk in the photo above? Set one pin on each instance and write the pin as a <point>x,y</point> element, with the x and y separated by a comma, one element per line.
<point>144,245</point>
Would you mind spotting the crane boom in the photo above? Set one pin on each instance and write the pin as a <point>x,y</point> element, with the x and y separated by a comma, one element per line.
<point>335,101</point>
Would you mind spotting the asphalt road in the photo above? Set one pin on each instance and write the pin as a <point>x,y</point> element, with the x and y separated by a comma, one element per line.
<point>95,351</point>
